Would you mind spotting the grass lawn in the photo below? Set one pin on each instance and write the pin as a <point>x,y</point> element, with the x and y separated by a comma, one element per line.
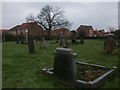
<point>0,65</point>
<point>23,70</point>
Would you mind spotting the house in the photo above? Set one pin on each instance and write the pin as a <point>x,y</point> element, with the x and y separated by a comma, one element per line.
<point>3,33</point>
<point>27,29</point>
<point>22,31</point>
<point>89,32</point>
<point>56,33</point>
<point>98,34</point>
<point>117,33</point>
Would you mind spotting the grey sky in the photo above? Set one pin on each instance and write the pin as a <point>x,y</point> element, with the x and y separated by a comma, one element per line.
<point>100,15</point>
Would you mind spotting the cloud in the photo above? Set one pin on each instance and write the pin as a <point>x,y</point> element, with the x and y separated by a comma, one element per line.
<point>97,14</point>
<point>0,14</point>
<point>61,1</point>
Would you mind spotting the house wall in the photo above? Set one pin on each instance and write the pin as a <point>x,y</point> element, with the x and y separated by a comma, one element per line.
<point>89,32</point>
<point>33,28</point>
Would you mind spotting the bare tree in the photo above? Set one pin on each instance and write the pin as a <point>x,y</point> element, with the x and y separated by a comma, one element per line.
<point>111,29</point>
<point>50,18</point>
<point>30,18</point>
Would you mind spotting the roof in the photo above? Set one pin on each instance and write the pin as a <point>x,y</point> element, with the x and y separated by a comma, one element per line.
<point>24,26</point>
<point>58,31</point>
<point>16,27</point>
<point>98,33</point>
<point>85,27</point>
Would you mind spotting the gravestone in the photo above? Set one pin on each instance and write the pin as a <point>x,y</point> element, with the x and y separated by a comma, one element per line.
<point>65,65</point>
<point>3,38</point>
<point>31,44</point>
<point>110,46</point>
<point>42,43</point>
<point>73,36</point>
<point>17,39</point>
<point>63,41</point>
<point>82,36</point>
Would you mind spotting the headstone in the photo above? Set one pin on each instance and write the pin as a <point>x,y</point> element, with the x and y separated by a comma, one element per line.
<point>82,36</point>
<point>3,38</point>
<point>17,39</point>
<point>73,36</point>
<point>110,46</point>
<point>63,41</point>
<point>42,43</point>
<point>65,65</point>
<point>22,39</point>
<point>31,44</point>
<point>81,40</point>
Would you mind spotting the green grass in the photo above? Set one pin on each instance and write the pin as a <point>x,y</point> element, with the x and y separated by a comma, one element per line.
<point>23,70</point>
<point>0,65</point>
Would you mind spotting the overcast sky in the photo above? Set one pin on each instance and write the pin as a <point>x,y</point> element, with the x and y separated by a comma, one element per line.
<point>100,15</point>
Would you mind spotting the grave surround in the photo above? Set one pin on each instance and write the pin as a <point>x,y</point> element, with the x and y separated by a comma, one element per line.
<point>72,80</point>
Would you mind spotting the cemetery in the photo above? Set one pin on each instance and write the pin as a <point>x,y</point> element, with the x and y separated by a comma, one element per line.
<point>72,59</point>
<point>78,74</point>
<point>88,65</point>
<point>44,52</point>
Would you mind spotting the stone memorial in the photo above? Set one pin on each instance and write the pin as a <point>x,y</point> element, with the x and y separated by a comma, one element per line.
<point>64,65</point>
<point>31,44</point>
<point>63,41</point>
<point>110,46</point>
<point>73,37</point>
<point>82,36</point>
<point>77,74</point>
<point>42,43</point>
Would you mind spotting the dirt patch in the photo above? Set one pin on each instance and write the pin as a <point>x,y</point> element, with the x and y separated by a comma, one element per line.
<point>89,73</point>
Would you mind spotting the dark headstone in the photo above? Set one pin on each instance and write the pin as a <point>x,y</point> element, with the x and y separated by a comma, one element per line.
<point>82,36</point>
<point>65,65</point>
<point>110,46</point>
<point>73,37</point>
<point>17,39</point>
<point>3,38</point>
<point>81,40</point>
<point>31,44</point>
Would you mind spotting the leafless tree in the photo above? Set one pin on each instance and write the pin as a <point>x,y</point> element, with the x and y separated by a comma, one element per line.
<point>30,18</point>
<point>50,18</point>
<point>111,29</point>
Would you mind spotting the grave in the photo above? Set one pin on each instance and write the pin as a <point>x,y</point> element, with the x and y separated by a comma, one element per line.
<point>73,36</point>
<point>77,74</point>
<point>64,65</point>
<point>82,35</point>
<point>31,44</point>
<point>42,43</point>
<point>110,46</point>
<point>63,41</point>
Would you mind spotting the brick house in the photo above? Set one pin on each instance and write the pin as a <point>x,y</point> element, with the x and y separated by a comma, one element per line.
<point>65,32</point>
<point>56,33</point>
<point>4,34</point>
<point>22,31</point>
<point>89,32</point>
<point>27,29</point>
<point>98,34</point>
